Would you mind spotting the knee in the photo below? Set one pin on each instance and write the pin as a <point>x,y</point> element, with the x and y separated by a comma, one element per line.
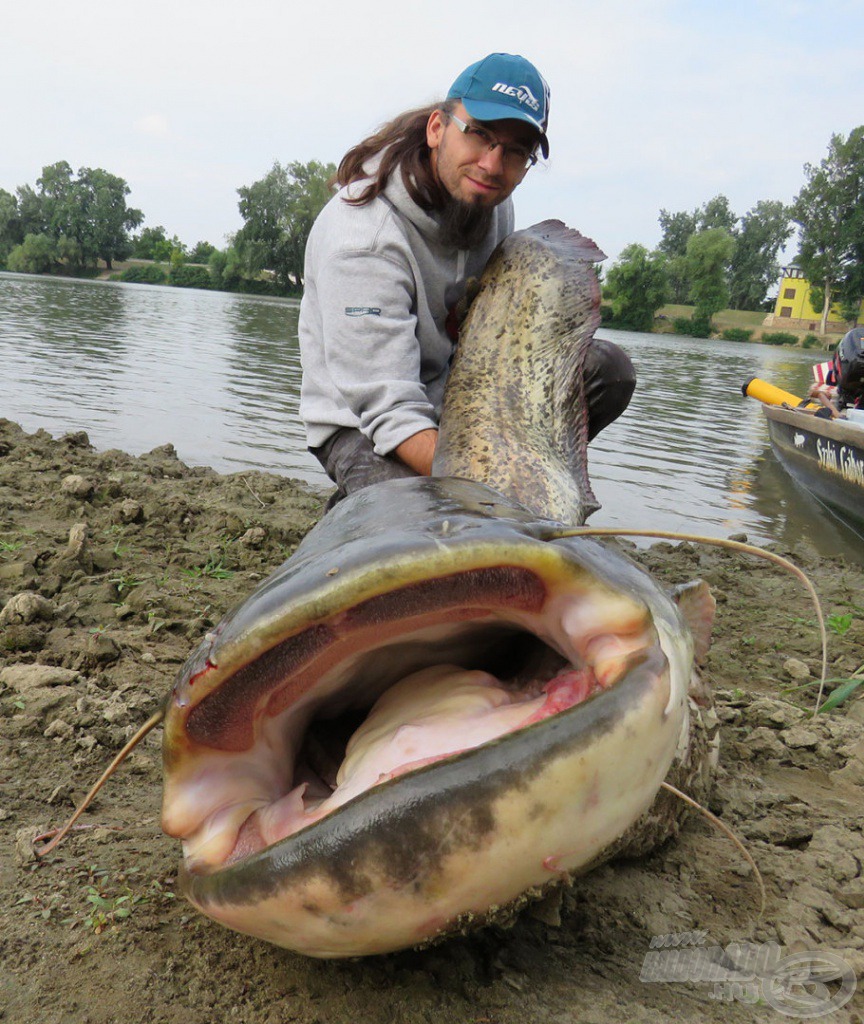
<point>610,379</point>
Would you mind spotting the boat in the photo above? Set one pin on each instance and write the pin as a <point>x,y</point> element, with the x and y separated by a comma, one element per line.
<point>826,456</point>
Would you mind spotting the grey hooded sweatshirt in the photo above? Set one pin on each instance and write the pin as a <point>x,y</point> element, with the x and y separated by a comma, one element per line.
<point>379,286</point>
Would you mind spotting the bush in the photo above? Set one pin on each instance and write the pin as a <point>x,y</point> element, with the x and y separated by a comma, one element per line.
<point>151,273</point>
<point>779,338</point>
<point>811,341</point>
<point>184,276</point>
<point>606,314</point>
<point>695,327</point>
<point>37,254</point>
<point>736,334</point>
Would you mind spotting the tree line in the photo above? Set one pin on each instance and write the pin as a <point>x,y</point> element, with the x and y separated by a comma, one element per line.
<point>68,222</point>
<point>715,260</point>
<point>710,257</point>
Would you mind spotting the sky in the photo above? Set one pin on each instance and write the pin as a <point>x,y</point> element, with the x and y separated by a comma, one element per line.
<point>658,104</point>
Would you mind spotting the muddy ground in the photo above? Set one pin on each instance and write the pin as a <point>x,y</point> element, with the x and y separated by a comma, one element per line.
<point>113,567</point>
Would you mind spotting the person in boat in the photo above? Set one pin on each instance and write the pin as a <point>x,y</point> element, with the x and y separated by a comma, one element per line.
<point>839,383</point>
<point>422,203</point>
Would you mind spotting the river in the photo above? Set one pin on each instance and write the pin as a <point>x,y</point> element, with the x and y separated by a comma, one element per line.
<point>218,376</point>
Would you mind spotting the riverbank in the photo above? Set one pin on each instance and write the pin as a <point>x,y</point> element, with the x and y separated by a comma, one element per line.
<point>111,569</point>
<point>748,325</point>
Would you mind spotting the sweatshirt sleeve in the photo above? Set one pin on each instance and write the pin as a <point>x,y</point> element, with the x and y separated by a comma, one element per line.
<point>371,350</point>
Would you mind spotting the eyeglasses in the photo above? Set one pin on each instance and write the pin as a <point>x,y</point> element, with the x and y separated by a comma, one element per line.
<point>514,156</point>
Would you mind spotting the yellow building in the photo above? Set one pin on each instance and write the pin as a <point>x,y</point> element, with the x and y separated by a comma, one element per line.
<point>794,309</point>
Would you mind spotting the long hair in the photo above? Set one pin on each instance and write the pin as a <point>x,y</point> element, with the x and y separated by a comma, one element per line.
<point>400,143</point>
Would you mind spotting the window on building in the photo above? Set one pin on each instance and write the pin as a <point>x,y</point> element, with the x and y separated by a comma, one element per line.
<point>785,311</point>
<point>789,293</point>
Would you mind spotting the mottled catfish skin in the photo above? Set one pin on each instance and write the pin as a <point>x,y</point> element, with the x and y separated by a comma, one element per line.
<point>514,412</point>
<point>514,699</point>
<point>418,855</point>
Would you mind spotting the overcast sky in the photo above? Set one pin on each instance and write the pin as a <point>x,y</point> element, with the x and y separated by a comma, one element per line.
<point>655,104</point>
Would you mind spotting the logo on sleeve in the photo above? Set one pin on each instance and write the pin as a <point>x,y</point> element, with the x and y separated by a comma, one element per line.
<point>362,311</point>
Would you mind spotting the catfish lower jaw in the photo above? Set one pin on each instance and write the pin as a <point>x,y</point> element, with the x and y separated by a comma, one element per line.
<point>444,683</point>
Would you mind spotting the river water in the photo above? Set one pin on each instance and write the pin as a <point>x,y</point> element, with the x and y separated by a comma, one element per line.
<point>218,376</point>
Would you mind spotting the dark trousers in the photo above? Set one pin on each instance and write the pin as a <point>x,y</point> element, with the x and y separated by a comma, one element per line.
<point>351,462</point>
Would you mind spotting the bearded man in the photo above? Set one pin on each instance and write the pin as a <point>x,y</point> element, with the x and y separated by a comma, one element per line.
<point>422,205</point>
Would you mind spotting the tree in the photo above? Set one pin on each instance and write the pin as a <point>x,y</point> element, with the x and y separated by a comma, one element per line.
<point>201,252</point>
<point>829,210</point>
<point>37,254</point>
<point>224,267</point>
<point>88,211</point>
<point>708,256</point>
<point>637,285</point>
<point>278,213</point>
<point>107,218</point>
<point>30,212</point>
<point>677,229</point>
<point>754,269</point>
<point>144,244</point>
<point>154,244</point>
<point>10,225</point>
<point>716,214</point>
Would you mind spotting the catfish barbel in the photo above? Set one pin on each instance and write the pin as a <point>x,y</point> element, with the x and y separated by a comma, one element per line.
<point>439,706</point>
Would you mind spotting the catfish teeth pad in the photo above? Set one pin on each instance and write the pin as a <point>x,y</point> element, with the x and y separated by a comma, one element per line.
<point>435,706</point>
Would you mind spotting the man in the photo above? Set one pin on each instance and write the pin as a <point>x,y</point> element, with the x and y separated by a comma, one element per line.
<point>423,203</point>
<point>839,383</point>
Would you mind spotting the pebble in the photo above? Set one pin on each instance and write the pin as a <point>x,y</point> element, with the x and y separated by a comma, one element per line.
<point>129,511</point>
<point>799,738</point>
<point>25,846</point>
<point>764,742</point>
<point>797,670</point>
<point>59,728</point>
<point>100,649</point>
<point>30,677</point>
<point>25,607</point>
<point>77,486</point>
<point>78,549</point>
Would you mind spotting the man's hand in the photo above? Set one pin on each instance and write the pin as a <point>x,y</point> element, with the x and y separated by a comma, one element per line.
<point>418,451</point>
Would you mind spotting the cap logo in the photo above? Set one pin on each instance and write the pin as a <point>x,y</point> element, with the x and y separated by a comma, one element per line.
<point>521,92</point>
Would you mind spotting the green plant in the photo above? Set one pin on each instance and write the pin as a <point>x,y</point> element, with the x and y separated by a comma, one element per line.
<point>839,624</point>
<point>693,327</point>
<point>736,334</point>
<point>213,568</point>
<point>125,581</point>
<point>811,341</point>
<point>842,692</point>
<point>184,276</point>
<point>112,902</point>
<point>779,338</point>
<point>149,274</point>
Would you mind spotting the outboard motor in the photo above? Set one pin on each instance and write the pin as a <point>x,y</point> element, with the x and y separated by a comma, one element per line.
<point>849,366</point>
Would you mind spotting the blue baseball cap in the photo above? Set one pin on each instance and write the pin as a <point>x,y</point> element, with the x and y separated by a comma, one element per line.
<point>504,85</point>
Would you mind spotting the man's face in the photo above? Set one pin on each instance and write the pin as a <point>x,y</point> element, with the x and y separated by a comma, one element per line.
<point>471,173</point>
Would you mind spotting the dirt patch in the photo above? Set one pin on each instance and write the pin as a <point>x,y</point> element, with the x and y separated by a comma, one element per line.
<point>112,567</point>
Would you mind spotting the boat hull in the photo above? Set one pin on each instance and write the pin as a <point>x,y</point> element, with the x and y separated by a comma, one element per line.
<point>825,456</point>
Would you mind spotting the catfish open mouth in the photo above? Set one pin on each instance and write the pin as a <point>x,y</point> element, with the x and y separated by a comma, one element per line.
<point>385,686</point>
